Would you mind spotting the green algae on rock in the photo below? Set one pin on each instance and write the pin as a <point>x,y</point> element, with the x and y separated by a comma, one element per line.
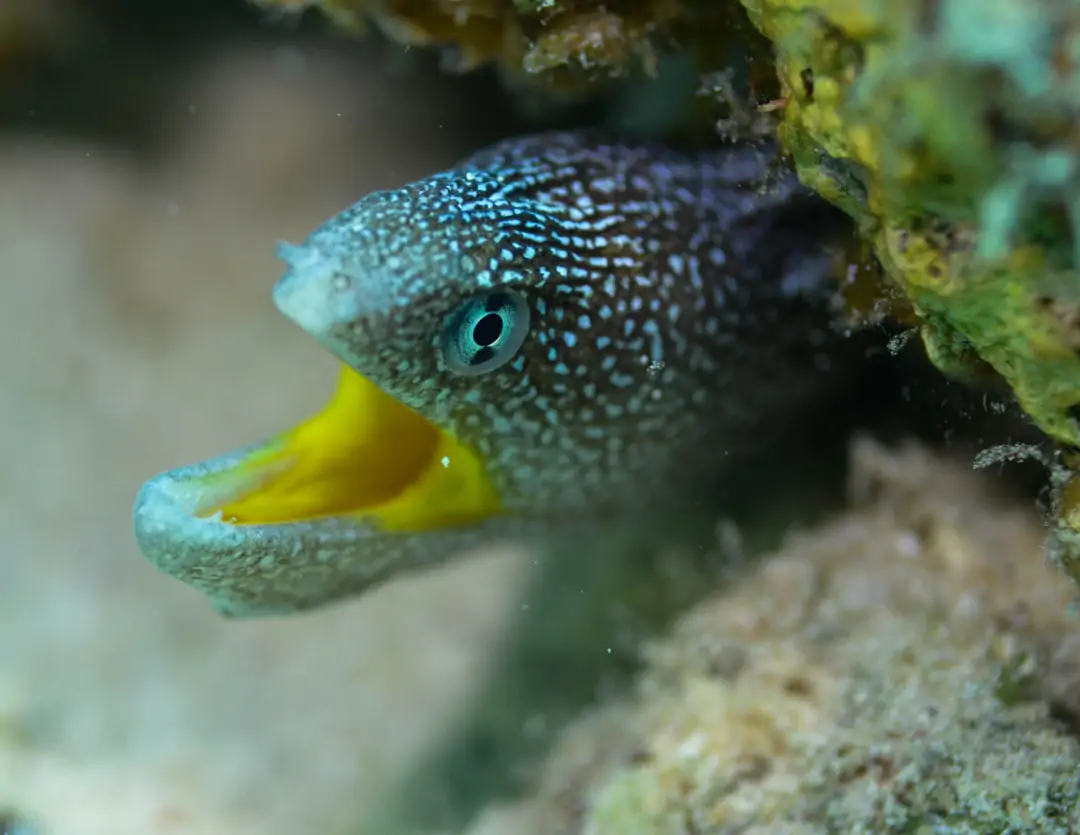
<point>851,682</point>
<point>948,130</point>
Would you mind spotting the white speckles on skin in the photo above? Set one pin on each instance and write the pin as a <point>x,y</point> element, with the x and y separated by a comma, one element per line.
<point>694,271</point>
<point>656,341</point>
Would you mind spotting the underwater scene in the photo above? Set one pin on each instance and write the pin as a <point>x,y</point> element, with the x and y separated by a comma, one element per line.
<point>539,417</point>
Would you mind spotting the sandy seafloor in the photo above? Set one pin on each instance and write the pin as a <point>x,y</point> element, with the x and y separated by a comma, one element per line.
<point>852,678</point>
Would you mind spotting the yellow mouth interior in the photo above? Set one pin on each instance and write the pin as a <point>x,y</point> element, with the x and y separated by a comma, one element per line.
<point>364,454</point>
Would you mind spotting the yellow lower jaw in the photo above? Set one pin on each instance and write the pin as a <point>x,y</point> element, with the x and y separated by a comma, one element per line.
<point>363,455</point>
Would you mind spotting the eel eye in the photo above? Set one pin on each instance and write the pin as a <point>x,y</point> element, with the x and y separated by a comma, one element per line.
<point>485,332</point>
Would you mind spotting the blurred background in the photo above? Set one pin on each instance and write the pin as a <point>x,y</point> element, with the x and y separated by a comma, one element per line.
<point>151,154</point>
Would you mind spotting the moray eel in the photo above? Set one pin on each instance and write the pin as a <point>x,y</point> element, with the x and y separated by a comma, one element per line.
<point>563,330</point>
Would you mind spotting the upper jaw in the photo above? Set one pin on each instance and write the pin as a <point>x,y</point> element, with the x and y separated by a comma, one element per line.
<point>315,291</point>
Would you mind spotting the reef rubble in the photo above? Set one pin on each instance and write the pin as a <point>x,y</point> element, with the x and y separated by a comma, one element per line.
<point>908,667</point>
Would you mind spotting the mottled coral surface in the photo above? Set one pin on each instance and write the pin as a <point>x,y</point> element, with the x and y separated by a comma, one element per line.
<point>908,667</point>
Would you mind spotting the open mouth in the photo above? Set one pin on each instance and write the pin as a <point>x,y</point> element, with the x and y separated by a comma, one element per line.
<point>356,493</point>
<point>364,455</point>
